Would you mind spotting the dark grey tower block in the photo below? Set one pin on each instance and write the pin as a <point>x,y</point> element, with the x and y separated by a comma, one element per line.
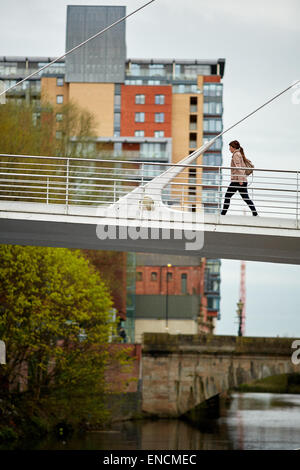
<point>102,59</point>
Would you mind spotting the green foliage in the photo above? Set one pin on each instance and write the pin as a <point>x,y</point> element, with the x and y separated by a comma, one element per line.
<point>7,434</point>
<point>26,129</point>
<point>22,133</point>
<point>56,322</point>
<point>282,383</point>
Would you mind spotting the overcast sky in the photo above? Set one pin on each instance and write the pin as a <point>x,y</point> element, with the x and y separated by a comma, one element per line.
<point>260,41</point>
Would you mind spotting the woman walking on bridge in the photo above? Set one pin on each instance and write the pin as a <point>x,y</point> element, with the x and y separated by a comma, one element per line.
<point>238,178</point>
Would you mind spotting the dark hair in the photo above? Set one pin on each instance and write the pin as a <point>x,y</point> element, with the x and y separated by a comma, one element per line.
<point>236,145</point>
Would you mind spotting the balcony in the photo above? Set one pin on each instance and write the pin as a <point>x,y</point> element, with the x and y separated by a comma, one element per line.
<point>132,155</point>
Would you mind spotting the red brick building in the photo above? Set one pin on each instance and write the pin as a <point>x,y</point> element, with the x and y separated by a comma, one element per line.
<point>147,109</point>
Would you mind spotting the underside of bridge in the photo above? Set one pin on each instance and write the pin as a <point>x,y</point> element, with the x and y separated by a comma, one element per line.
<point>230,237</point>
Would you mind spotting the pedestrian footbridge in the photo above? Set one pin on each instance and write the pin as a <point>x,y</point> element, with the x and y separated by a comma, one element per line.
<point>114,204</point>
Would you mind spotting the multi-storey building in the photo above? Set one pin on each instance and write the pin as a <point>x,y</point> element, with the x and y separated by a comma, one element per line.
<point>145,109</point>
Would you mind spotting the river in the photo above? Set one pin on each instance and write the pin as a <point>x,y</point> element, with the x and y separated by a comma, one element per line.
<point>250,421</point>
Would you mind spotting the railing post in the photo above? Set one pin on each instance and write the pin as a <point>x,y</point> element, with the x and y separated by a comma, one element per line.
<point>47,199</point>
<point>67,185</point>
<point>142,174</point>
<point>297,201</point>
<point>219,192</point>
<point>115,191</point>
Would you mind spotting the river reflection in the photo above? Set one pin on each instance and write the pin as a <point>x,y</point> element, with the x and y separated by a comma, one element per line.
<point>251,421</point>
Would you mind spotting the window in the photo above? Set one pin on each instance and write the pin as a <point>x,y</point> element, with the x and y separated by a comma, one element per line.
<point>214,267</point>
<point>169,277</point>
<point>154,276</point>
<point>153,82</point>
<point>156,69</point>
<point>139,117</point>
<point>59,117</point>
<point>212,108</point>
<point>217,145</point>
<point>213,303</point>
<point>58,135</point>
<point>210,178</point>
<point>192,175</point>
<point>139,99</point>
<point>210,195</point>
<point>212,125</point>
<point>133,82</point>
<point>193,140</point>
<point>212,89</point>
<point>193,104</point>
<point>159,133</point>
<point>135,69</point>
<point>59,81</point>
<point>184,283</point>
<point>185,88</point>
<point>59,99</point>
<point>117,120</point>
<point>35,118</point>
<point>212,159</point>
<point>159,117</point>
<point>139,133</point>
<point>139,276</point>
<point>159,99</point>
<point>193,122</point>
<point>117,101</point>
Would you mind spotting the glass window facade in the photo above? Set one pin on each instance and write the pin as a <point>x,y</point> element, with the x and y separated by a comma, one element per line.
<point>212,89</point>
<point>153,151</point>
<point>210,178</point>
<point>212,125</point>
<point>210,195</point>
<point>183,88</point>
<point>214,159</point>
<point>217,145</point>
<point>212,107</point>
<point>154,82</point>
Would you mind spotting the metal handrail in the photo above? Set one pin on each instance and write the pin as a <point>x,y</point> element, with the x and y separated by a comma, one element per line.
<point>147,163</point>
<point>85,181</point>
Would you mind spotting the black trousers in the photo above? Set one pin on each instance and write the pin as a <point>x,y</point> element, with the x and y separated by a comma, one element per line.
<point>243,190</point>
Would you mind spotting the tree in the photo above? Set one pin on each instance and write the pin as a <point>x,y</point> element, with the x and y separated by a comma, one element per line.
<point>26,129</point>
<point>56,322</point>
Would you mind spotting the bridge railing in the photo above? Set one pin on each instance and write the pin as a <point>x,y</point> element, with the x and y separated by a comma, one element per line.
<point>99,182</point>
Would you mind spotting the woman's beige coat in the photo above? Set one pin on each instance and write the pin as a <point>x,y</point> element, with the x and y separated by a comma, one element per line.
<point>236,161</point>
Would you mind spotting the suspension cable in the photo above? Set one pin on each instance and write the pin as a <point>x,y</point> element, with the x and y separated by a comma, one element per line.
<point>77,47</point>
<point>260,107</point>
<point>196,153</point>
